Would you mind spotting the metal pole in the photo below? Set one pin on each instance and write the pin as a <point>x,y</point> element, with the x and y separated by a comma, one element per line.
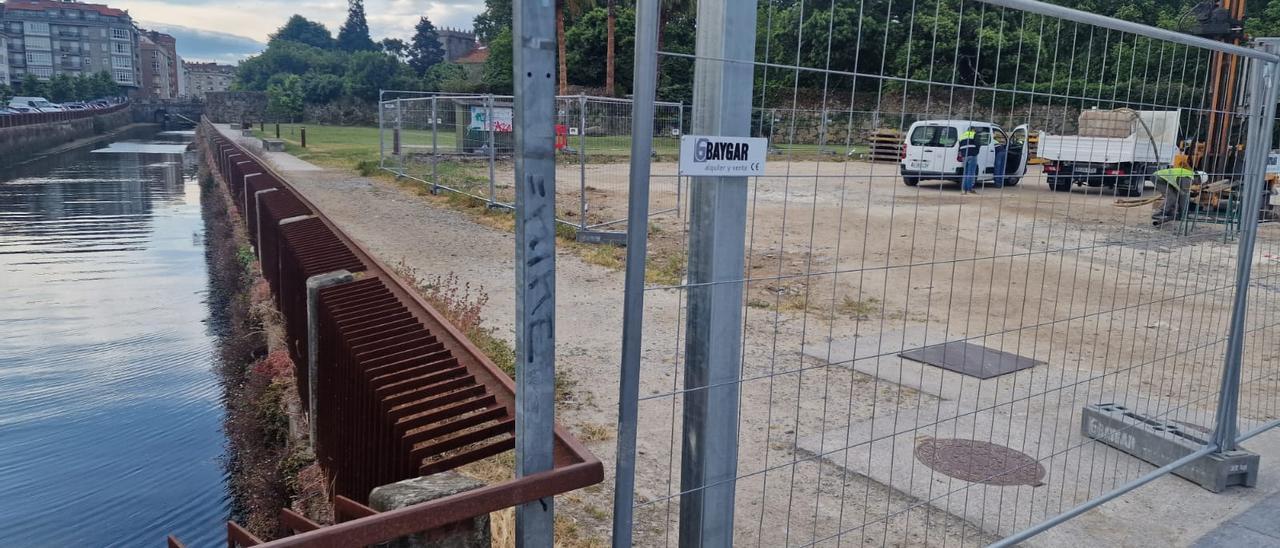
<point>679,179</point>
<point>722,96</point>
<point>535,213</point>
<point>643,93</point>
<point>314,285</point>
<point>1262,97</point>
<point>582,161</point>
<point>1093,19</point>
<point>493,128</point>
<point>382,147</point>
<point>435,179</point>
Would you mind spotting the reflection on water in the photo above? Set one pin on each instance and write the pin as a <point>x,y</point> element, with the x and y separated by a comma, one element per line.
<point>110,420</point>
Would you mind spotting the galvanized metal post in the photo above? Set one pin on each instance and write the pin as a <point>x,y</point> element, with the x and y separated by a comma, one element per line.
<point>1262,108</point>
<point>582,162</point>
<point>382,147</point>
<point>314,285</point>
<point>493,188</point>
<point>435,179</point>
<point>679,179</point>
<point>722,94</point>
<point>535,213</point>
<point>643,93</point>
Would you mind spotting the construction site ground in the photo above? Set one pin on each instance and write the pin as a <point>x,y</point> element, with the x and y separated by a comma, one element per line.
<point>846,267</point>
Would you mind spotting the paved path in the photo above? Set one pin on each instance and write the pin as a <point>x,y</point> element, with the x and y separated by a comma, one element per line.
<point>1257,526</point>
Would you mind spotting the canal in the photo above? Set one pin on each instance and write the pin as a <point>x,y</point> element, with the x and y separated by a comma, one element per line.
<point>110,404</point>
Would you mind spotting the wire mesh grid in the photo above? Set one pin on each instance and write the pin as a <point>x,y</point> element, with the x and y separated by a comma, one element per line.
<point>445,141</point>
<point>1069,275</point>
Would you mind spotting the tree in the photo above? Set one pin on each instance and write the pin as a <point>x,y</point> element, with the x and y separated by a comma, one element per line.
<point>497,68</point>
<point>426,50</point>
<point>396,47</point>
<point>61,89</point>
<point>82,88</point>
<point>304,31</point>
<point>574,7</point>
<point>6,93</point>
<point>369,72</point>
<point>284,97</point>
<point>354,34</point>
<point>33,87</point>
<point>491,22</point>
<point>587,42</point>
<point>105,85</point>
<point>319,88</point>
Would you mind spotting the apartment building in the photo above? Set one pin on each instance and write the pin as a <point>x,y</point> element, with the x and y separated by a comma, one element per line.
<point>47,37</point>
<point>160,63</point>
<point>203,78</point>
<point>4,59</point>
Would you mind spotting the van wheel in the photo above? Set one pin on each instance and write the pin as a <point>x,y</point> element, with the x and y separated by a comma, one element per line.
<point>911,181</point>
<point>1060,184</point>
<point>1012,181</point>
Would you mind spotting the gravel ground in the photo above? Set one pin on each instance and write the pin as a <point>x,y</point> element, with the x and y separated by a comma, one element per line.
<point>843,258</point>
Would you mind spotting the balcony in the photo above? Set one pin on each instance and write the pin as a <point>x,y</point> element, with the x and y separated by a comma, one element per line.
<point>68,34</point>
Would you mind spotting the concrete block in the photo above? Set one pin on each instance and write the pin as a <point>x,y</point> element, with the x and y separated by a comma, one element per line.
<point>1161,442</point>
<point>472,533</point>
<point>273,145</point>
<point>247,131</point>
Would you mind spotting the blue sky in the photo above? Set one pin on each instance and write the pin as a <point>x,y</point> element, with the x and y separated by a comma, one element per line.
<point>228,30</point>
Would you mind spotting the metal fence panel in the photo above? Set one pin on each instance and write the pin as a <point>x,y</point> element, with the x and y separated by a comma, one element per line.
<point>919,365</point>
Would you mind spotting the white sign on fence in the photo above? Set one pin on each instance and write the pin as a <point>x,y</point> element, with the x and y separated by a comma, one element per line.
<point>501,119</point>
<point>573,131</point>
<point>710,155</point>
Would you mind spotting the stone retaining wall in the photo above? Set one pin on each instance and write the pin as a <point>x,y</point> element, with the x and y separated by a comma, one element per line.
<point>18,143</point>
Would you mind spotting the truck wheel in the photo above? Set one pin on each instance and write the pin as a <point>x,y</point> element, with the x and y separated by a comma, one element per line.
<point>1060,184</point>
<point>911,181</point>
<point>1131,187</point>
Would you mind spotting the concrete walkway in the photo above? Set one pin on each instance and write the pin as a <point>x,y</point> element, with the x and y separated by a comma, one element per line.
<point>1257,526</point>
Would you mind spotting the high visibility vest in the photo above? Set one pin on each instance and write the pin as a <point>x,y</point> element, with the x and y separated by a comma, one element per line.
<point>1172,174</point>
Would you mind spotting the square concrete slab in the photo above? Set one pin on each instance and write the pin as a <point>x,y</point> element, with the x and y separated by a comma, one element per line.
<point>970,359</point>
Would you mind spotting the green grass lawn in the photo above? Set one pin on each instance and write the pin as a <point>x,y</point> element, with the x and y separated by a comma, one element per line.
<point>347,146</point>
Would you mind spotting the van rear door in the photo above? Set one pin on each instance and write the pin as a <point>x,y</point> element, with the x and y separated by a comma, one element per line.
<point>928,147</point>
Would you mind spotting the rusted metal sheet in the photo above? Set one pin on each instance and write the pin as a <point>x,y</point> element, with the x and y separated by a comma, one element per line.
<point>400,391</point>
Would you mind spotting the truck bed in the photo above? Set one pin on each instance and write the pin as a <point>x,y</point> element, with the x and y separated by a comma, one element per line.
<point>1104,150</point>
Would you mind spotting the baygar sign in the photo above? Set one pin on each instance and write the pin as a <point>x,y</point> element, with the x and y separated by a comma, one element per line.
<point>709,155</point>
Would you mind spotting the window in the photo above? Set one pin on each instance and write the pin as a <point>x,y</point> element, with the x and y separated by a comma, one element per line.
<point>42,73</point>
<point>121,62</point>
<point>105,48</point>
<point>36,27</point>
<point>120,48</point>
<point>39,42</point>
<point>15,27</point>
<point>983,135</point>
<point>120,34</point>
<point>39,58</point>
<point>90,15</point>
<point>123,76</point>
<point>933,136</point>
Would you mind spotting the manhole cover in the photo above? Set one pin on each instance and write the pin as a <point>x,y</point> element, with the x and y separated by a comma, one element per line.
<point>979,462</point>
<point>970,359</point>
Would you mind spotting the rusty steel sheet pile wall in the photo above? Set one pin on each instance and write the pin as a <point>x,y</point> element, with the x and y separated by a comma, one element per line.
<point>394,379</point>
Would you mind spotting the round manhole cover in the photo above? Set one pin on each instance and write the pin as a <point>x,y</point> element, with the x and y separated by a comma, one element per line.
<point>979,462</point>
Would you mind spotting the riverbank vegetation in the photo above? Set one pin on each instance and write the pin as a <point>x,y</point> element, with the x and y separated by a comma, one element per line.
<point>269,462</point>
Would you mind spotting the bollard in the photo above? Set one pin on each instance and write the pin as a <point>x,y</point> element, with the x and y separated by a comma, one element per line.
<point>262,126</point>
<point>277,130</point>
<point>395,142</point>
<point>304,136</point>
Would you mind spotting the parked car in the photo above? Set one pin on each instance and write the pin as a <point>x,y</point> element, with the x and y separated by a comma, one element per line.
<point>75,106</point>
<point>18,109</point>
<point>932,151</point>
<point>6,110</point>
<point>38,104</point>
<point>100,103</point>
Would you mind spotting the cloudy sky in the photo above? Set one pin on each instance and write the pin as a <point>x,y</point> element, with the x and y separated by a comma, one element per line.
<point>228,30</point>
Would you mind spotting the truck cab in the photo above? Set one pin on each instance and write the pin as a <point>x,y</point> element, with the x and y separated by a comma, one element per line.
<point>932,151</point>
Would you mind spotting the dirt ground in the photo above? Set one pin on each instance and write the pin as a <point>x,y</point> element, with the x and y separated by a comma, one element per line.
<point>847,267</point>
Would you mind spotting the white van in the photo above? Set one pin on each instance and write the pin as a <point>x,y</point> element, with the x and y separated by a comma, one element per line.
<point>40,104</point>
<point>932,151</point>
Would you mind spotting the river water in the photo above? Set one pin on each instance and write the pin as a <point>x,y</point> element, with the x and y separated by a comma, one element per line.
<point>110,405</point>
